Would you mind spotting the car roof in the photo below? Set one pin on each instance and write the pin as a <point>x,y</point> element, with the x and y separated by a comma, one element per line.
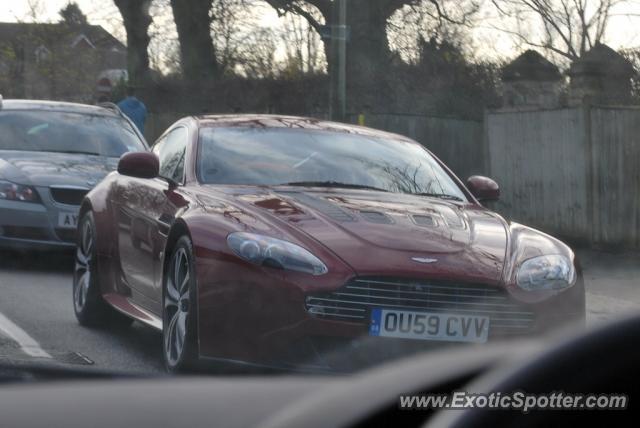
<point>293,122</point>
<point>57,106</point>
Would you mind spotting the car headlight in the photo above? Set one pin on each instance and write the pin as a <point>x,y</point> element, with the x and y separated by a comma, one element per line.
<point>276,253</point>
<point>18,192</point>
<point>552,272</point>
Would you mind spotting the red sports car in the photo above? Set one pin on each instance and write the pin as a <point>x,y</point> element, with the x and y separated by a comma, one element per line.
<point>274,240</point>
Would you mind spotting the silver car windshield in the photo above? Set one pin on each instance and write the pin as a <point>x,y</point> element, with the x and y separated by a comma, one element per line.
<point>65,132</point>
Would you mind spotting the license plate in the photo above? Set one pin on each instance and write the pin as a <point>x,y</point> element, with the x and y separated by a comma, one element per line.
<point>428,326</point>
<point>68,220</point>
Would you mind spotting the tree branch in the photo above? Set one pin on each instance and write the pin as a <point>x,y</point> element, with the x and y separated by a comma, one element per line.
<point>283,7</point>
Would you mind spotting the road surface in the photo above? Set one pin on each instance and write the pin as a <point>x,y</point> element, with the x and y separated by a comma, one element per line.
<point>35,296</point>
<point>37,320</point>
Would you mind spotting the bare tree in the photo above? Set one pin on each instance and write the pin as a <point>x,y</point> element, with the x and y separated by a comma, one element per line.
<point>412,24</point>
<point>164,48</point>
<point>303,54</point>
<point>71,14</point>
<point>633,56</point>
<point>256,57</point>
<point>233,25</point>
<point>136,19</point>
<point>368,52</point>
<point>567,28</point>
<point>12,66</point>
<point>198,56</point>
<point>35,10</point>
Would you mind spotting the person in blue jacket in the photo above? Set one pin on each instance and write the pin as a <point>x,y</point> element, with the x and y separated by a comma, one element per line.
<point>134,108</point>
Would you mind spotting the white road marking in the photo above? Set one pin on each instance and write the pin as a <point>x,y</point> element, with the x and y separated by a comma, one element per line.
<point>27,343</point>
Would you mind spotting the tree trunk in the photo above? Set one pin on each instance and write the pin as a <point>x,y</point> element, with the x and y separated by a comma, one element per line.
<point>368,53</point>
<point>135,14</point>
<point>197,53</point>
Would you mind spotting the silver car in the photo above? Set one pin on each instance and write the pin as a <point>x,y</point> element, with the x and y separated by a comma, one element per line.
<point>51,155</point>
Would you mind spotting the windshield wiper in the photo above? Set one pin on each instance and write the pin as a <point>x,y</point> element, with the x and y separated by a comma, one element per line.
<point>440,195</point>
<point>331,184</point>
<point>75,152</point>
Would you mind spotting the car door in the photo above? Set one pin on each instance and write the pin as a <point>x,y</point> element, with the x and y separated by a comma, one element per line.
<point>145,216</point>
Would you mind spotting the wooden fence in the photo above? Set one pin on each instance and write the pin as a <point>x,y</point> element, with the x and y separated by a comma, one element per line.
<point>573,172</point>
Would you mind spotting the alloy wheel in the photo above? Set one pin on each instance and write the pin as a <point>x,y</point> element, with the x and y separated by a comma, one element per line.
<point>176,307</point>
<point>82,274</point>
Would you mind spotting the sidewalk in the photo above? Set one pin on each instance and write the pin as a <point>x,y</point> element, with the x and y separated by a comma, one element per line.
<point>612,281</point>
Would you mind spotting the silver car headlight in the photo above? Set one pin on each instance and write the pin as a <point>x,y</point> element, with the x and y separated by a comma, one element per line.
<point>18,192</point>
<point>266,251</point>
<point>552,272</point>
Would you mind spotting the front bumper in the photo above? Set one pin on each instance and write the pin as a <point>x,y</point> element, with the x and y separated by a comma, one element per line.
<point>26,225</point>
<point>260,317</point>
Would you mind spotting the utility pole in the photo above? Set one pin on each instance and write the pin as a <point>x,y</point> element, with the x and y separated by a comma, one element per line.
<point>342,61</point>
<point>338,86</point>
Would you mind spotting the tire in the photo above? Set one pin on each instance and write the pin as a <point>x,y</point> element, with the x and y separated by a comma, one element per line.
<point>90,308</point>
<point>179,313</point>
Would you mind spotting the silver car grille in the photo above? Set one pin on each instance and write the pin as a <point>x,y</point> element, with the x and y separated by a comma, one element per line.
<point>353,301</point>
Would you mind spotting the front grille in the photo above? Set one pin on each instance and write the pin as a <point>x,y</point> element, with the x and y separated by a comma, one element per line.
<point>354,301</point>
<point>67,235</point>
<point>68,196</point>
<point>22,232</point>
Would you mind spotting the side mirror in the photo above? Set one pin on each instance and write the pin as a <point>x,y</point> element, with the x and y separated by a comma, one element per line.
<point>483,188</point>
<point>139,164</point>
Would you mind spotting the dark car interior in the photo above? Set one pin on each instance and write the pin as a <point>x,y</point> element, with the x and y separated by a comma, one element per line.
<point>366,399</point>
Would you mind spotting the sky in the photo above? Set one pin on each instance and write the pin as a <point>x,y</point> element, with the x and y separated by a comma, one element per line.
<point>102,12</point>
<point>18,10</point>
<point>623,31</point>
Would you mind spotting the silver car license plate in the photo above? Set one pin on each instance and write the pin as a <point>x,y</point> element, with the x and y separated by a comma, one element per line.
<point>68,220</point>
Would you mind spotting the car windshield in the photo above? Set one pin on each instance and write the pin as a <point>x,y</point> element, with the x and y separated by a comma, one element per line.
<point>298,157</point>
<point>51,131</point>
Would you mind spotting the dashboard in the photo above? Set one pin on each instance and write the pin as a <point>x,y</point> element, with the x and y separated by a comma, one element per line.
<point>600,360</point>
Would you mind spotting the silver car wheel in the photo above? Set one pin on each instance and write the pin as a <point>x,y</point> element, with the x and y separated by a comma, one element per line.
<point>176,306</point>
<point>82,277</point>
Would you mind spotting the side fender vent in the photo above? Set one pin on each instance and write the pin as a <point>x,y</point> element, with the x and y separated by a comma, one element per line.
<point>424,220</point>
<point>376,217</point>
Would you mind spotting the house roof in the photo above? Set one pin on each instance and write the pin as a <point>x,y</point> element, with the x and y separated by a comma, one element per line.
<point>530,65</point>
<point>601,59</point>
<point>55,33</point>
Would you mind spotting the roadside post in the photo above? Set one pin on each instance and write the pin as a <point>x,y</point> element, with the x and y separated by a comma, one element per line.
<point>338,32</point>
